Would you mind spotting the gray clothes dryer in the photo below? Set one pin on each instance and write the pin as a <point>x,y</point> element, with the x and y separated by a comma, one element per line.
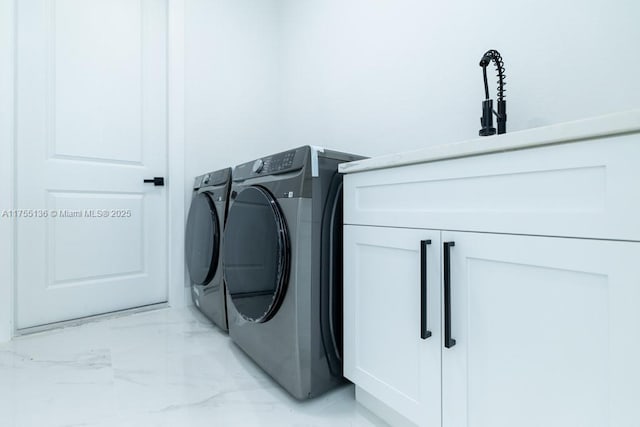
<point>203,241</point>
<point>282,258</point>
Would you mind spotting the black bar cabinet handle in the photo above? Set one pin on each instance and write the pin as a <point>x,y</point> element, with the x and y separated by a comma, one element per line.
<point>424,332</point>
<point>158,181</point>
<point>448,341</point>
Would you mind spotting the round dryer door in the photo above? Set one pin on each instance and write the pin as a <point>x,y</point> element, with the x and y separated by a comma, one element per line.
<point>202,239</point>
<point>256,254</point>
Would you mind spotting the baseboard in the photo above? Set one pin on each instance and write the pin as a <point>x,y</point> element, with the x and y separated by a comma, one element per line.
<point>83,320</point>
<point>382,410</point>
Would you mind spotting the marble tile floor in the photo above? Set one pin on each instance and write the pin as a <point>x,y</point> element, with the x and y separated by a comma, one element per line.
<point>168,367</point>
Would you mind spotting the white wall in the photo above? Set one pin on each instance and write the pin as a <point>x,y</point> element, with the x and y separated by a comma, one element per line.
<point>176,134</point>
<point>232,89</point>
<point>382,76</point>
<point>6,168</point>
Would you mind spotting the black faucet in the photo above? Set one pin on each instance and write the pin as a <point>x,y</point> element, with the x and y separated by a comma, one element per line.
<point>487,105</point>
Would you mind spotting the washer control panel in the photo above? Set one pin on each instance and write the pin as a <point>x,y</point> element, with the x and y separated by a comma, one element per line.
<point>221,177</point>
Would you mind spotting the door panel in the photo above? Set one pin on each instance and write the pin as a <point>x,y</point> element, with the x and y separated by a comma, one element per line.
<point>202,239</point>
<point>256,253</point>
<point>78,248</point>
<point>384,353</point>
<point>91,125</point>
<point>542,329</point>
<point>97,79</point>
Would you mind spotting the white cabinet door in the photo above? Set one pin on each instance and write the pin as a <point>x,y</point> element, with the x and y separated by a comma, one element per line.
<point>91,125</point>
<point>546,330</point>
<point>387,350</point>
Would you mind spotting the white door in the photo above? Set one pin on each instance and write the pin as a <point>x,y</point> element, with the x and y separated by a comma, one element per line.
<point>91,125</point>
<point>546,330</point>
<point>391,333</point>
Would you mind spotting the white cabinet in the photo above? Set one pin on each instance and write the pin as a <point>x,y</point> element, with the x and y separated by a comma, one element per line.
<point>546,332</point>
<point>532,296</point>
<point>392,324</point>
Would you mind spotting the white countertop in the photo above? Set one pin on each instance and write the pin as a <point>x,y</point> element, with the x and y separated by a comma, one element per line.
<point>596,127</point>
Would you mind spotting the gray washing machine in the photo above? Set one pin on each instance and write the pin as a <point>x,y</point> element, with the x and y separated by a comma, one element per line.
<point>203,241</point>
<point>282,258</point>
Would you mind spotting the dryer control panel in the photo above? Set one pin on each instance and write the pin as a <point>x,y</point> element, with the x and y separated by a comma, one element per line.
<point>278,163</point>
<point>271,165</point>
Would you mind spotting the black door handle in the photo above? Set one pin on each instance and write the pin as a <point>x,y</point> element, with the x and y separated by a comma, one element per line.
<point>158,181</point>
<point>424,332</point>
<point>448,341</point>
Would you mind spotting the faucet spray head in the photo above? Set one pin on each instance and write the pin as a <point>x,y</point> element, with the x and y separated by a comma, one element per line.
<point>486,60</point>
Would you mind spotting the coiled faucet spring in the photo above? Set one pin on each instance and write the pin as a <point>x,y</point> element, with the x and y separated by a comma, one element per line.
<point>487,105</point>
